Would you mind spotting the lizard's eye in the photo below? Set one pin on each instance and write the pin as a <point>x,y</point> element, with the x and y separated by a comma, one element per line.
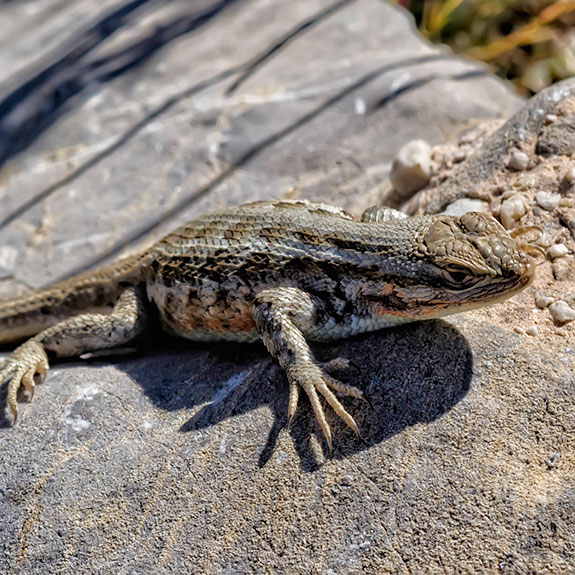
<point>457,277</point>
<point>460,278</point>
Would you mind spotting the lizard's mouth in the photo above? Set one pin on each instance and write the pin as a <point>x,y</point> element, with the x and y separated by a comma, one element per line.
<point>494,292</point>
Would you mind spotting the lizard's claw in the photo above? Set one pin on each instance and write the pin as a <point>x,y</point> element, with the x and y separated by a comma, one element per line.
<point>20,368</point>
<point>314,381</point>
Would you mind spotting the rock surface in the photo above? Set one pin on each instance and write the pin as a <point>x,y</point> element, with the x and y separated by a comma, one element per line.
<point>177,459</point>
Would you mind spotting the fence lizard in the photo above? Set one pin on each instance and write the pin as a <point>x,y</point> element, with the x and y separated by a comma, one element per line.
<point>284,272</point>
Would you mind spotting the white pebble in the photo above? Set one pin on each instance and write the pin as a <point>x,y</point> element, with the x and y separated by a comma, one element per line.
<point>359,106</point>
<point>532,330</point>
<point>550,118</point>
<point>518,161</point>
<point>553,459</point>
<point>542,301</point>
<point>459,156</point>
<point>561,269</point>
<point>548,237</point>
<point>570,175</point>
<point>547,200</point>
<point>562,312</point>
<point>411,169</point>
<point>464,205</point>
<point>557,251</point>
<point>512,210</point>
<point>8,261</point>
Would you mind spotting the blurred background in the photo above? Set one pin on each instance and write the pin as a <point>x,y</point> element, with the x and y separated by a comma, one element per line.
<point>529,42</point>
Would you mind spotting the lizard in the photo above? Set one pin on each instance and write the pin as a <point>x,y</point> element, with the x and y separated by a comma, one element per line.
<point>283,272</point>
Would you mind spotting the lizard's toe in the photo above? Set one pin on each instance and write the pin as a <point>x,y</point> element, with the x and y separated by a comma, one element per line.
<point>315,382</point>
<point>20,369</point>
<point>344,388</point>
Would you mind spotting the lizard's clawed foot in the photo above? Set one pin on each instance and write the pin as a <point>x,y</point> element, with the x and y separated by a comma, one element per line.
<point>314,380</point>
<point>20,368</point>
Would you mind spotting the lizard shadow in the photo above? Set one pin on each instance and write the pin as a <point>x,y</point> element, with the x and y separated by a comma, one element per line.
<point>411,374</point>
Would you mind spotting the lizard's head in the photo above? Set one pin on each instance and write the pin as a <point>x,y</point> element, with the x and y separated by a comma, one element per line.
<point>470,261</point>
<point>476,261</point>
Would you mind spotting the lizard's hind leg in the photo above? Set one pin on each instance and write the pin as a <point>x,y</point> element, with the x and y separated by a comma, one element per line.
<point>72,337</point>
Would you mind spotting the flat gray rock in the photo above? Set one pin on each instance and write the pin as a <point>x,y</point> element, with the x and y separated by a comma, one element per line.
<point>177,459</point>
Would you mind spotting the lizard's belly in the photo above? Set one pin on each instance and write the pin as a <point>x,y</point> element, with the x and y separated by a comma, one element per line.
<point>204,313</point>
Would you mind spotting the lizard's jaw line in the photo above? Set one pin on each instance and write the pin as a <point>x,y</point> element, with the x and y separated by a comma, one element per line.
<point>527,279</point>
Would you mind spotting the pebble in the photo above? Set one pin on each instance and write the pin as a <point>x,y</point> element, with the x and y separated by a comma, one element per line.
<point>519,330</point>
<point>570,175</point>
<point>518,161</point>
<point>542,301</point>
<point>359,106</point>
<point>464,205</point>
<point>562,312</point>
<point>561,269</point>
<point>547,200</point>
<point>347,480</point>
<point>557,251</point>
<point>459,156</point>
<point>550,118</point>
<point>548,237</point>
<point>411,169</point>
<point>8,261</point>
<point>512,210</point>
<point>532,330</point>
<point>553,459</point>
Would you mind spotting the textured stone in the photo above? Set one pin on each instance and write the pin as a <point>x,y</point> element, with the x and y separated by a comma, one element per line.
<point>557,251</point>
<point>532,330</point>
<point>563,269</point>
<point>512,210</point>
<point>547,200</point>
<point>177,460</point>
<point>464,205</point>
<point>557,137</point>
<point>541,300</point>
<point>562,312</point>
<point>519,160</point>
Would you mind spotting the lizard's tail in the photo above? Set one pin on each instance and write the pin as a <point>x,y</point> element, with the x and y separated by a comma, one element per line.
<point>96,290</point>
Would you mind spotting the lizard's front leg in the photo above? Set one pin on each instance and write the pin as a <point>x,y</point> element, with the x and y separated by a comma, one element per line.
<point>74,336</point>
<point>284,316</point>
